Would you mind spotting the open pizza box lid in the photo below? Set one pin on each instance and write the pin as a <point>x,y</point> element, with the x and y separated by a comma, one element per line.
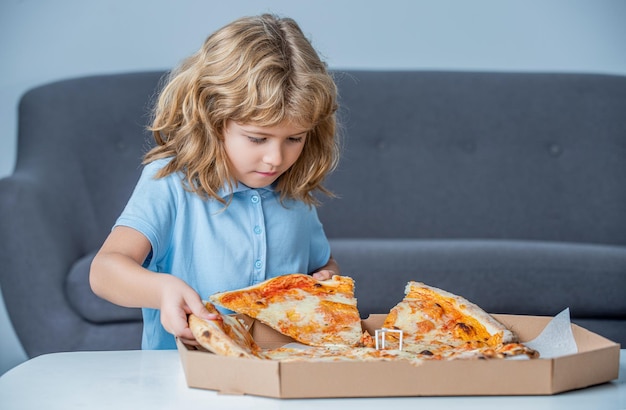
<point>597,361</point>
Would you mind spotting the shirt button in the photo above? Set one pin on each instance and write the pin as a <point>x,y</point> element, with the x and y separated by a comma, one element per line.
<point>254,199</point>
<point>257,264</point>
<point>257,230</point>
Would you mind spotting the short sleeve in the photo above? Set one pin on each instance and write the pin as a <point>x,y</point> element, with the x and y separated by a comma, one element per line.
<point>152,207</point>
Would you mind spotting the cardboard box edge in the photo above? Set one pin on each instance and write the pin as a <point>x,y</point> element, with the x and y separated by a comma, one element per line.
<point>204,360</point>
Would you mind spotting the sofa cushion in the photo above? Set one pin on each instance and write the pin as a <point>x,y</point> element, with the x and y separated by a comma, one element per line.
<point>519,277</point>
<point>89,306</point>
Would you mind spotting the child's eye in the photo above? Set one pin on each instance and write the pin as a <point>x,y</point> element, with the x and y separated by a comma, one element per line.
<point>295,139</point>
<point>256,140</point>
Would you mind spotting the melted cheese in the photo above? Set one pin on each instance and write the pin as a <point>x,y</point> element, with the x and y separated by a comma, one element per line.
<point>341,354</point>
<point>436,324</point>
<point>441,324</point>
<point>310,311</point>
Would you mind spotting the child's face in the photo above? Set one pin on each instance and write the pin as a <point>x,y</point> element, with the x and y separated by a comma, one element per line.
<point>259,154</point>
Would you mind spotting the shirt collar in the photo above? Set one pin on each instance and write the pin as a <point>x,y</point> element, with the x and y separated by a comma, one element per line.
<point>226,190</point>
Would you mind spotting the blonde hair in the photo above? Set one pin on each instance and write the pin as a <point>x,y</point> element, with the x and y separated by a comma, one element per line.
<point>259,70</point>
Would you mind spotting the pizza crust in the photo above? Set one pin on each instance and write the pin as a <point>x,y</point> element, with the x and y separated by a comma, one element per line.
<point>225,336</point>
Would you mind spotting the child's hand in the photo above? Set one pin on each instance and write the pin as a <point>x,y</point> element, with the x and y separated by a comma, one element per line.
<point>323,274</point>
<point>177,301</point>
<point>327,271</point>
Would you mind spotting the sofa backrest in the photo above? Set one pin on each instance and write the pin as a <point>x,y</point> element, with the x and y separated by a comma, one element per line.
<point>481,155</point>
<point>425,154</point>
<point>67,127</point>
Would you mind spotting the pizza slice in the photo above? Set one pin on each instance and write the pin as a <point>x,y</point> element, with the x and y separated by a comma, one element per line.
<point>441,325</point>
<point>316,313</point>
<point>225,336</point>
<point>340,354</point>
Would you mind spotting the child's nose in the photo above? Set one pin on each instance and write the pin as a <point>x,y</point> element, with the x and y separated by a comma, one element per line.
<point>273,156</point>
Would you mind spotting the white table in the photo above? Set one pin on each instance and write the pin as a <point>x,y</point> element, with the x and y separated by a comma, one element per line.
<point>155,380</point>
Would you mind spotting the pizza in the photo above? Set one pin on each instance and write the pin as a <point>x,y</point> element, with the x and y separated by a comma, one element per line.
<point>338,353</point>
<point>225,336</point>
<point>316,313</point>
<point>431,324</point>
<point>438,324</point>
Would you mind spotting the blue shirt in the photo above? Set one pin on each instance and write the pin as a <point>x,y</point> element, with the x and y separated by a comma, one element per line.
<point>213,248</point>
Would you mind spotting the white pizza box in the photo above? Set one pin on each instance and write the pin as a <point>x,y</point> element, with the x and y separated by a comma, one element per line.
<point>597,361</point>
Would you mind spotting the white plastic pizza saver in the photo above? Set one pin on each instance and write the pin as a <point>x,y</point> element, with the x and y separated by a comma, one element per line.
<point>380,335</point>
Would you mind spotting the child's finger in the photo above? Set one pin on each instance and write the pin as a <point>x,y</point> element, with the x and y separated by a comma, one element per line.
<point>198,309</point>
<point>323,274</point>
<point>186,336</point>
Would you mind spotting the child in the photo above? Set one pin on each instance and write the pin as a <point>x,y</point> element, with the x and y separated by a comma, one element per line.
<point>245,132</point>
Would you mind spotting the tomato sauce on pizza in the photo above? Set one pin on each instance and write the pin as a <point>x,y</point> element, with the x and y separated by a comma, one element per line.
<point>313,312</point>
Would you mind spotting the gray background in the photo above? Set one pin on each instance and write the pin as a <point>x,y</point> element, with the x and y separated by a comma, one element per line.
<point>42,41</point>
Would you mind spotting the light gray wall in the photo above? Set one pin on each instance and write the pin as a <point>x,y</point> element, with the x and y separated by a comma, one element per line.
<point>42,41</point>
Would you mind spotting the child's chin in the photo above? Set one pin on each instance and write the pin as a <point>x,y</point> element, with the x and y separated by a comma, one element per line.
<point>255,184</point>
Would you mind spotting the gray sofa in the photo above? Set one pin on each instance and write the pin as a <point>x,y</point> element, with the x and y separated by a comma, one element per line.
<point>506,188</point>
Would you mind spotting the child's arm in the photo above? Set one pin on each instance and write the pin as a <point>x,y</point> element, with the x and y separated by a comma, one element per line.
<point>117,276</point>
<point>327,271</point>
